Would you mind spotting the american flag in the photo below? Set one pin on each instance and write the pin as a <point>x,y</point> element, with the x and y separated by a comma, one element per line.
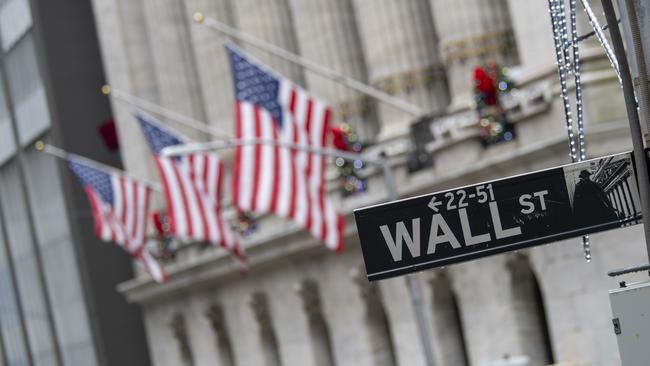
<point>120,208</point>
<point>268,178</point>
<point>192,190</point>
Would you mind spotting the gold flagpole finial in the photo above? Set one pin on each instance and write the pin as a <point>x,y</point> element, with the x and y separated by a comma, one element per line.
<point>106,89</point>
<point>198,17</point>
<point>39,145</point>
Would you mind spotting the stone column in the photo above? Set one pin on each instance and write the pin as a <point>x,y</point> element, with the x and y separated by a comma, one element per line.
<point>471,32</point>
<point>218,321</point>
<point>179,330</point>
<point>260,306</point>
<point>128,63</point>
<point>484,288</point>
<point>173,59</point>
<point>328,34</point>
<point>212,63</point>
<point>529,313</point>
<point>450,347</point>
<point>382,344</point>
<point>401,47</point>
<point>532,30</point>
<point>271,21</point>
<point>318,330</point>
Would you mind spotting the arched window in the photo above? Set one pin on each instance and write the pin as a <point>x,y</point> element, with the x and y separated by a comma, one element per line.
<point>530,312</point>
<point>381,339</point>
<point>259,304</point>
<point>180,333</point>
<point>318,330</point>
<point>224,347</point>
<point>447,321</point>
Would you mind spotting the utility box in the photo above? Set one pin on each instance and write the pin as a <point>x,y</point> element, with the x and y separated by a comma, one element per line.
<point>631,323</point>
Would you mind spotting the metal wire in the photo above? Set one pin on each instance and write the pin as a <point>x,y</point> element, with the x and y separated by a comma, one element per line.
<point>601,38</point>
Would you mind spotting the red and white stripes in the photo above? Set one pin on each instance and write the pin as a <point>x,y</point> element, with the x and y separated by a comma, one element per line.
<point>290,183</point>
<point>124,222</point>
<point>192,187</point>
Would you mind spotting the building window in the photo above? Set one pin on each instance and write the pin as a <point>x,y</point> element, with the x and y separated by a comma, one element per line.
<point>25,258</point>
<point>7,143</point>
<point>15,20</point>
<point>259,305</point>
<point>58,260</point>
<point>318,330</point>
<point>180,333</point>
<point>382,345</point>
<point>224,347</point>
<point>12,332</point>
<point>530,312</point>
<point>447,320</point>
<point>26,90</point>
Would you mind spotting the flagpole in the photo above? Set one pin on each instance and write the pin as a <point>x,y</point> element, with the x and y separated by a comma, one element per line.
<point>309,65</point>
<point>64,155</point>
<point>164,112</point>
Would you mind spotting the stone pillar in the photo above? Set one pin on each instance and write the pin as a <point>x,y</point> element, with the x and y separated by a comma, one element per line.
<point>532,29</point>
<point>450,347</point>
<point>401,47</point>
<point>173,59</point>
<point>318,330</point>
<point>382,345</point>
<point>128,63</point>
<point>224,346</point>
<point>329,36</point>
<point>471,32</point>
<point>260,306</point>
<point>485,289</point>
<point>212,63</point>
<point>179,330</point>
<point>271,21</point>
<point>529,313</point>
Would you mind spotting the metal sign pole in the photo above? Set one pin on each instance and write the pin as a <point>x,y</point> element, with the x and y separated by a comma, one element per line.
<point>414,287</point>
<point>633,117</point>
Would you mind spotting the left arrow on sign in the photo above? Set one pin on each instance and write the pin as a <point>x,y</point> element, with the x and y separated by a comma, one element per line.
<point>434,204</point>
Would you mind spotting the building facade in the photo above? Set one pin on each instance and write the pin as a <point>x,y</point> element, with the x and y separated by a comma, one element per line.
<point>57,298</point>
<point>302,305</point>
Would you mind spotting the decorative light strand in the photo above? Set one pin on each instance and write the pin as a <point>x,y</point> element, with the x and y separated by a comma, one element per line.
<point>557,14</point>
<point>564,34</point>
<point>586,244</point>
<point>601,38</point>
<point>561,42</point>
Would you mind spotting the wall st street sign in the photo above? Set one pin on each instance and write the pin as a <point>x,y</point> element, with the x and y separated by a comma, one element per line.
<point>475,221</point>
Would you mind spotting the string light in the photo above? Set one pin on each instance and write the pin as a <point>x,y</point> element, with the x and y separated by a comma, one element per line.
<point>586,244</point>
<point>565,37</point>
<point>561,42</point>
<point>557,14</point>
